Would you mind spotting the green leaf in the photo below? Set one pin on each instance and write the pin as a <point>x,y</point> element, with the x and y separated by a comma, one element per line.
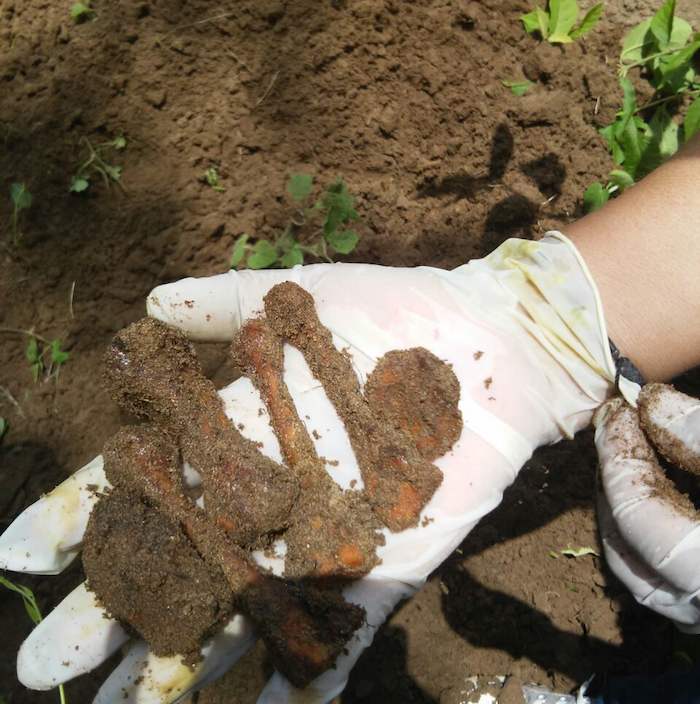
<point>339,206</point>
<point>263,255</point>
<point>632,145</point>
<point>299,187</point>
<point>579,552</point>
<point>119,142</point>
<point>79,184</point>
<point>676,69</point>
<point>343,241</point>
<point>21,197</point>
<point>114,172</point>
<point>629,101</point>
<point>665,133</point>
<point>691,124</point>
<point>4,427</point>
<point>32,351</point>
<point>621,179</point>
<point>595,197</point>
<point>590,20</point>
<point>662,23</point>
<point>562,17</point>
<point>239,250</point>
<point>28,598</point>
<point>518,87</point>
<point>542,22</point>
<point>293,257</point>
<point>58,356</point>
<point>638,42</point>
<point>80,11</point>
<point>531,22</point>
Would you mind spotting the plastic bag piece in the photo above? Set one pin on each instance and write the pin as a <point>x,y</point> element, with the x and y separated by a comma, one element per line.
<point>539,695</point>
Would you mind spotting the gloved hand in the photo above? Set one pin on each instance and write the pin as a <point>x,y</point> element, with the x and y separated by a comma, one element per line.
<point>651,533</point>
<point>524,332</point>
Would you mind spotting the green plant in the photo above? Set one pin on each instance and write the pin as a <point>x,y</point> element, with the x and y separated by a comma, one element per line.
<point>45,357</point>
<point>21,200</point>
<point>518,88</point>
<point>96,164</point>
<point>4,427</point>
<point>81,11</point>
<point>32,609</point>
<point>557,24</point>
<point>211,177</point>
<point>643,136</point>
<point>317,229</point>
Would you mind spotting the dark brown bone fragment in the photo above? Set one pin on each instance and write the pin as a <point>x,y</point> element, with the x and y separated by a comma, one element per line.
<point>304,629</point>
<point>332,533</point>
<point>398,481</point>
<point>418,394</point>
<point>152,370</point>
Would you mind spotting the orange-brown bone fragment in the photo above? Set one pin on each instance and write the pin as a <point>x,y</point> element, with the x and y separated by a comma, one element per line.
<point>332,533</point>
<point>398,480</point>
<point>304,629</point>
<point>417,393</point>
<point>152,370</point>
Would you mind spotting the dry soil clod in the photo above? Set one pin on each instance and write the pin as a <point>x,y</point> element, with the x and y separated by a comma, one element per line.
<point>152,370</point>
<point>332,533</point>
<point>398,480</point>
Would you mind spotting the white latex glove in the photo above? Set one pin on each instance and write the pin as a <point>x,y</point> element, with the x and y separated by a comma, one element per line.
<point>524,332</point>
<point>652,545</point>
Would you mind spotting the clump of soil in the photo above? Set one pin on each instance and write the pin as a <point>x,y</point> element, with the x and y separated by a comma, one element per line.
<point>418,394</point>
<point>330,534</point>
<point>398,481</point>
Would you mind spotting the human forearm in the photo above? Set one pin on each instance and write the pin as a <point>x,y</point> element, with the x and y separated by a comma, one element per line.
<point>643,250</point>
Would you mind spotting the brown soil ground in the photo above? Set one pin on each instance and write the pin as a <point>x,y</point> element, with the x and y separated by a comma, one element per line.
<point>404,101</point>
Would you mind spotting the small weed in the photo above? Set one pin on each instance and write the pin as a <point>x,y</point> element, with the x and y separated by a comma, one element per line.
<point>96,164</point>
<point>81,12</point>
<point>644,136</point>
<point>32,609</point>
<point>211,178</point>
<point>557,24</point>
<point>318,230</point>
<point>518,88</point>
<point>21,200</point>
<point>45,357</point>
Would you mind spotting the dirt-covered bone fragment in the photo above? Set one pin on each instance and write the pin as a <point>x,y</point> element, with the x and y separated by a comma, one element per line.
<point>148,576</point>
<point>332,533</point>
<point>417,393</point>
<point>304,628</point>
<point>152,370</point>
<point>398,480</point>
<point>659,404</point>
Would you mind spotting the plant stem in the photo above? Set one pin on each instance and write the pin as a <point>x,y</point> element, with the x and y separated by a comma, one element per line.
<point>667,99</point>
<point>61,694</point>
<point>28,333</point>
<point>624,68</point>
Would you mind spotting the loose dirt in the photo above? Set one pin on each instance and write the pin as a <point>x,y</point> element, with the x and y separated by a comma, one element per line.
<point>404,101</point>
